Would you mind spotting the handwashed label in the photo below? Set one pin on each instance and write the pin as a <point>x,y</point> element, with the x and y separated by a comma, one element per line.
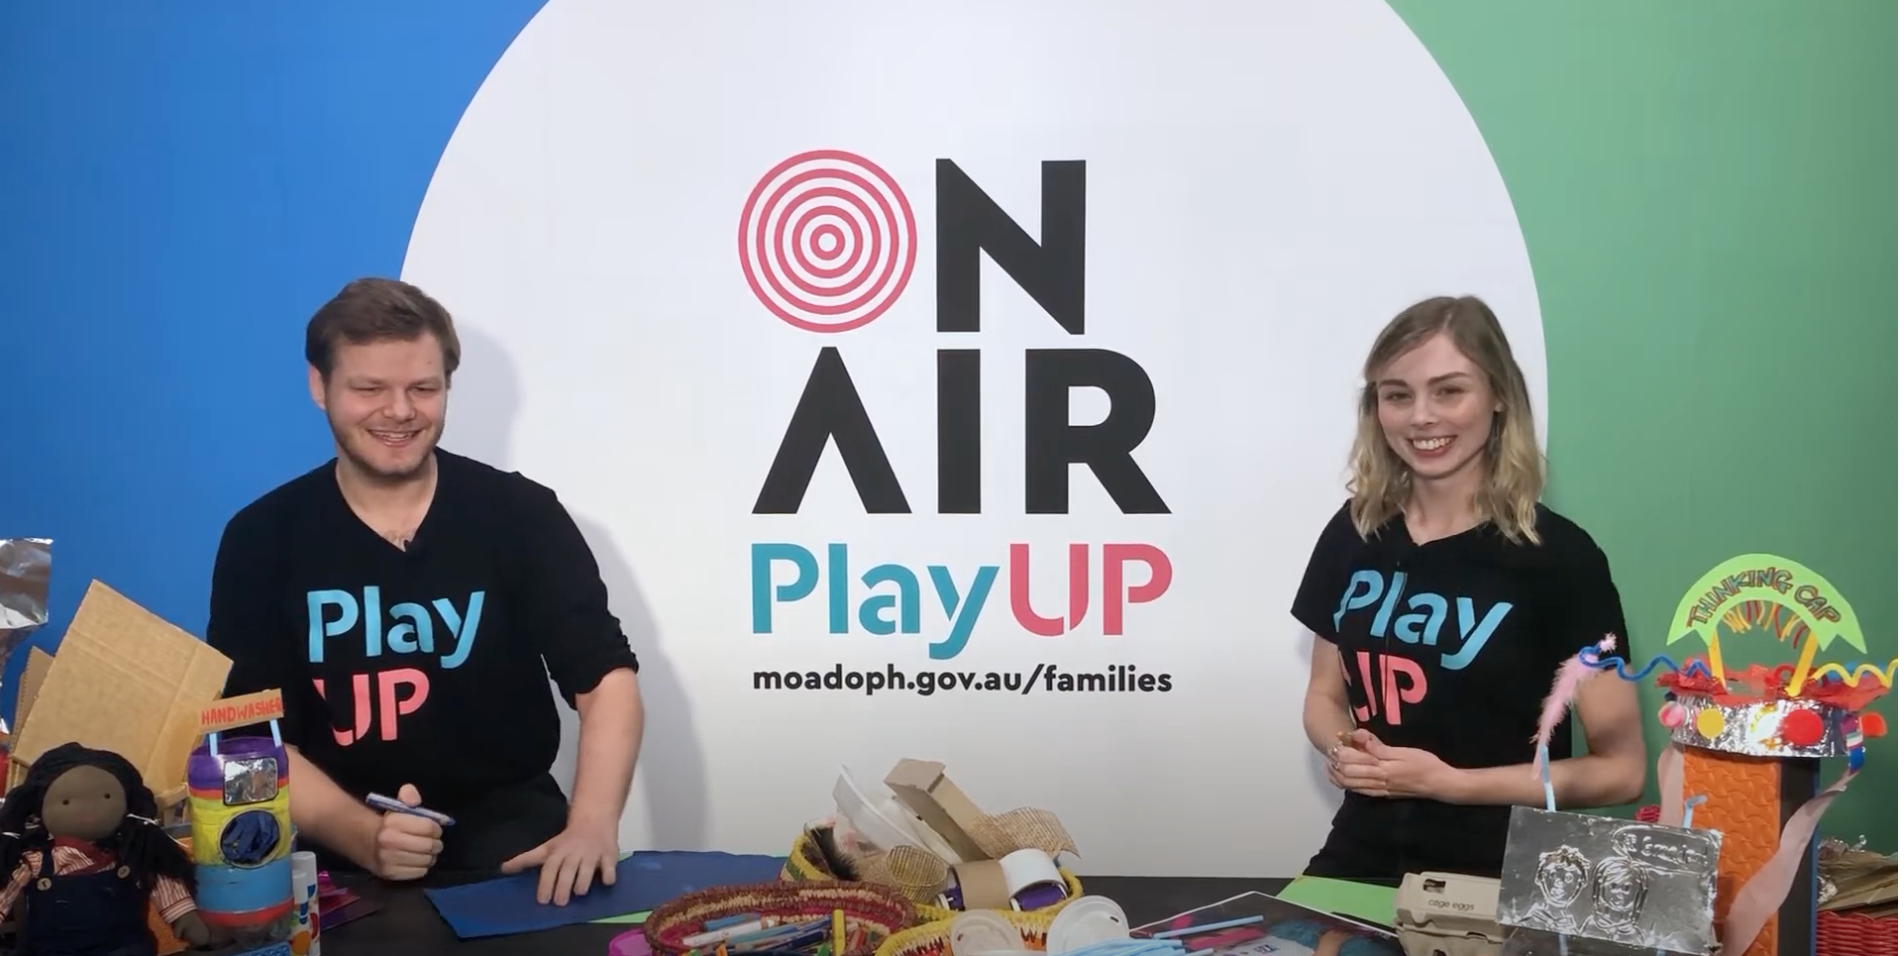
<point>241,711</point>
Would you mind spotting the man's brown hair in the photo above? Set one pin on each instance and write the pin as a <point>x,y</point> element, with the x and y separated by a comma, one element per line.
<point>378,310</point>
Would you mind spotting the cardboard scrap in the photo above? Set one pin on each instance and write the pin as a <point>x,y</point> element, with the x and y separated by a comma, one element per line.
<point>37,664</point>
<point>124,680</point>
<point>1854,879</point>
<point>925,790</point>
<point>977,838</point>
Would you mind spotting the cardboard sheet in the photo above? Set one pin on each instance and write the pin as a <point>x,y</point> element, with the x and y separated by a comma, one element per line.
<point>123,680</point>
<point>643,881</point>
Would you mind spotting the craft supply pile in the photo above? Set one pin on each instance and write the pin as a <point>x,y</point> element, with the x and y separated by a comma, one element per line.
<point>125,722</point>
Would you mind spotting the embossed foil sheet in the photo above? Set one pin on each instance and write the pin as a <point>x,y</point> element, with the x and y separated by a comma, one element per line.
<point>1638,887</point>
<point>1528,942</point>
<point>1761,728</point>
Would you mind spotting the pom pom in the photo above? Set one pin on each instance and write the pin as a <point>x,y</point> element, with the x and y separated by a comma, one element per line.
<point>1672,715</point>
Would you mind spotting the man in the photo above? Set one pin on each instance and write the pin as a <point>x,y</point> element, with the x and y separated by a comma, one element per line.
<point>412,605</point>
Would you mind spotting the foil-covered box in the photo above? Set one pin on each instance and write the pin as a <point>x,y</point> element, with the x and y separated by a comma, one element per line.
<point>1769,728</point>
<point>1612,887</point>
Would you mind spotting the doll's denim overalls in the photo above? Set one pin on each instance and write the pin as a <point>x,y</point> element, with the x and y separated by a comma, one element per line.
<point>87,914</point>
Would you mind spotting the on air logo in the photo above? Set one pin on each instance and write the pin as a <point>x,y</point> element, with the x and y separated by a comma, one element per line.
<point>827,242</point>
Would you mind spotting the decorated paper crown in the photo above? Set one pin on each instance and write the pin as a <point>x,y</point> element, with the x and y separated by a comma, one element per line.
<point>1805,709</point>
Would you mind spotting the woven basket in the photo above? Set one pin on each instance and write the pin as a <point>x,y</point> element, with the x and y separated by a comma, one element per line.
<point>1854,934</point>
<point>805,863</point>
<point>880,911</point>
<point>935,938</point>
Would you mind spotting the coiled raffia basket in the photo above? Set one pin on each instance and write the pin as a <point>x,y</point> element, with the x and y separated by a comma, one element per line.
<point>881,912</point>
<point>935,938</point>
<point>806,863</point>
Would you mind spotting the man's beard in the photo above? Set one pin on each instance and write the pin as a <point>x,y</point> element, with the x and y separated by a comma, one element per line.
<point>346,438</point>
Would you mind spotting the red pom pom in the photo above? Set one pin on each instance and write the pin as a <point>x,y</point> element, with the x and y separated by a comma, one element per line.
<point>1801,728</point>
<point>1871,723</point>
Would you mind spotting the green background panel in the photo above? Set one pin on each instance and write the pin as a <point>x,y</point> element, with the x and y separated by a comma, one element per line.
<point>1709,196</point>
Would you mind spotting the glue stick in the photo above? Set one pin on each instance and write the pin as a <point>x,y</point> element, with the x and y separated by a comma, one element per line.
<point>304,902</point>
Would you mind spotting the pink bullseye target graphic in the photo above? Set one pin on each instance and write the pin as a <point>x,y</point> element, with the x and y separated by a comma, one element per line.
<point>826,241</point>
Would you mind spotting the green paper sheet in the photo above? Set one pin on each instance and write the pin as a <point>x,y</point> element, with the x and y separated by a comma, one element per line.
<point>631,919</point>
<point>1375,904</point>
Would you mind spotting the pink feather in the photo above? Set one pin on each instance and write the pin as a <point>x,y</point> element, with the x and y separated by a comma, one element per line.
<point>1567,679</point>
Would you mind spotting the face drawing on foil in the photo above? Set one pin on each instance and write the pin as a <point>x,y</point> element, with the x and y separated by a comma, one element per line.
<point>1619,891</point>
<point>1562,875</point>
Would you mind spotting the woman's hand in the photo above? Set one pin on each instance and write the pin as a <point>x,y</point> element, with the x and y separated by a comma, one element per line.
<point>1368,766</point>
<point>1354,769</point>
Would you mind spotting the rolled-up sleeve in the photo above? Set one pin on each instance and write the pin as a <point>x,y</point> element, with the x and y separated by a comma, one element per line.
<point>580,638</point>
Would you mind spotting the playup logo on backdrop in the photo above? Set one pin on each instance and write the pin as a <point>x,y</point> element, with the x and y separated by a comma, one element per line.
<point>990,391</point>
<point>827,243</point>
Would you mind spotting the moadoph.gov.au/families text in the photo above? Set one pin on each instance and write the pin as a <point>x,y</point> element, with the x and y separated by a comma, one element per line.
<point>1114,678</point>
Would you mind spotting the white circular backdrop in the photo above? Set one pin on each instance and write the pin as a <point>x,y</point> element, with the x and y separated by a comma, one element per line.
<point>1267,184</point>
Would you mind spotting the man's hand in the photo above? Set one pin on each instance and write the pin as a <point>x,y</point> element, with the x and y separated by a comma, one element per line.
<point>407,845</point>
<point>1399,771</point>
<point>571,860</point>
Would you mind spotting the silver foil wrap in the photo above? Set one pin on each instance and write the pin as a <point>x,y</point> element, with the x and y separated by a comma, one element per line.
<point>1530,942</point>
<point>1616,884</point>
<point>26,566</point>
<point>1753,729</point>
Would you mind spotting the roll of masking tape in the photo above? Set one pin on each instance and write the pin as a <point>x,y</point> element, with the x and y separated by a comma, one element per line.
<point>1032,879</point>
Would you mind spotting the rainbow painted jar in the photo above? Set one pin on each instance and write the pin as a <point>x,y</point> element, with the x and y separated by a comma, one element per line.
<point>241,837</point>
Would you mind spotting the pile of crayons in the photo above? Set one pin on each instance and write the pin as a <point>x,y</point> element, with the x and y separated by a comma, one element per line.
<point>750,934</point>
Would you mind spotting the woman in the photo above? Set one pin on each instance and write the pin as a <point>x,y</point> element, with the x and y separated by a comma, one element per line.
<point>1442,597</point>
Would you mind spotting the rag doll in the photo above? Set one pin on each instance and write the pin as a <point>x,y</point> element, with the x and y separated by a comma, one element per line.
<point>81,841</point>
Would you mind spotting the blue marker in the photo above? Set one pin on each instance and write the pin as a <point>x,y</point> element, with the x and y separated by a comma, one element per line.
<point>381,802</point>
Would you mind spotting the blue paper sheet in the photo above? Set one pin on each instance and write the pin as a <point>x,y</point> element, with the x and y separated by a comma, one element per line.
<point>643,881</point>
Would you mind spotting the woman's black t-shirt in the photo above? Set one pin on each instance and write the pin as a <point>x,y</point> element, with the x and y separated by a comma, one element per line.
<point>1450,647</point>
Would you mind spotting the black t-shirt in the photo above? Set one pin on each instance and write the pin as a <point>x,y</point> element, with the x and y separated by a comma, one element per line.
<point>1451,647</point>
<point>428,665</point>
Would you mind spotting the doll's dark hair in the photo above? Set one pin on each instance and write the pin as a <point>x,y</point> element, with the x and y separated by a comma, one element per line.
<point>139,842</point>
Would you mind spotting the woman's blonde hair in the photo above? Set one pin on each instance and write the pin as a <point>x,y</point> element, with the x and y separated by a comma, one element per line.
<point>1379,481</point>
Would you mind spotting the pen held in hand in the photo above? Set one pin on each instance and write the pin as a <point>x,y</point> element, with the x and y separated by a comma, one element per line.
<point>380,802</point>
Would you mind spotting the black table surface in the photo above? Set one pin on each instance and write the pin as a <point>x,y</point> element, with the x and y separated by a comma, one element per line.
<point>408,924</point>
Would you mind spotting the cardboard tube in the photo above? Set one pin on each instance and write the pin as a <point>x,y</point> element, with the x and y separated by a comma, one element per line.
<point>982,885</point>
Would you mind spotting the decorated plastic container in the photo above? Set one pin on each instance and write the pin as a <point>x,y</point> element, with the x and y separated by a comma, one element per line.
<point>240,799</point>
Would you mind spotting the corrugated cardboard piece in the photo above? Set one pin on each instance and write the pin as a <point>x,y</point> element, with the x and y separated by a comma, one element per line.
<point>922,786</point>
<point>38,662</point>
<point>122,680</point>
